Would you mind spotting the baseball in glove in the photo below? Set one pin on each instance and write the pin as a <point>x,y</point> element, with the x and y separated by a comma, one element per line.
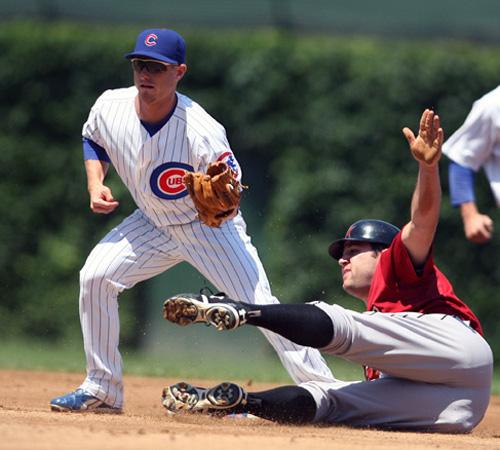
<point>216,195</point>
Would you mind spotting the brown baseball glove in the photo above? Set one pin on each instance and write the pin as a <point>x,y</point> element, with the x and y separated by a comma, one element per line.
<point>216,195</point>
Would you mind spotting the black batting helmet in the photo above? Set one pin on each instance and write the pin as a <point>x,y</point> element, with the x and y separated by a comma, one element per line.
<point>367,230</point>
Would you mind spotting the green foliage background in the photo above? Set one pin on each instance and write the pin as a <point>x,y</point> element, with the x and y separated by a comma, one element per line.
<point>315,122</point>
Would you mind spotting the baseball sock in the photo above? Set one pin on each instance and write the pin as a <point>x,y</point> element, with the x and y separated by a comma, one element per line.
<point>305,325</point>
<point>285,404</point>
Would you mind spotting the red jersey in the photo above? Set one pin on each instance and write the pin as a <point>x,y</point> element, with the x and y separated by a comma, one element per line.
<point>396,287</point>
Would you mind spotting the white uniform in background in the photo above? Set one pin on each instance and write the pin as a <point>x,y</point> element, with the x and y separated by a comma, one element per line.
<point>165,231</point>
<point>476,143</point>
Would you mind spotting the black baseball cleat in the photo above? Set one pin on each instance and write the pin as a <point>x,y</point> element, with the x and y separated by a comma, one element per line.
<point>217,400</point>
<point>217,310</point>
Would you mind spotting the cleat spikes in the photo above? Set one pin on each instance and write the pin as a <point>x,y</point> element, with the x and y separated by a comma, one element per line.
<point>183,397</point>
<point>217,311</point>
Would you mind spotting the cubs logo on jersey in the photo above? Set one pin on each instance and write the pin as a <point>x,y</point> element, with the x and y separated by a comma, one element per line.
<point>230,160</point>
<point>167,180</point>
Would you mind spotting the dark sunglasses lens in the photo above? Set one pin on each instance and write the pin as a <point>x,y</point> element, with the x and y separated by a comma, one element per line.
<point>154,67</point>
<point>151,66</point>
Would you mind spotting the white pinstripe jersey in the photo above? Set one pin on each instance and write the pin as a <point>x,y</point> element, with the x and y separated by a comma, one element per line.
<point>152,167</point>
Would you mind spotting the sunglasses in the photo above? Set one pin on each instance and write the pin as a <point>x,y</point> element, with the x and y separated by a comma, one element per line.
<point>151,65</point>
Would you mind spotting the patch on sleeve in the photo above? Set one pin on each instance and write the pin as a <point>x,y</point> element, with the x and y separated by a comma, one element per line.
<point>230,160</point>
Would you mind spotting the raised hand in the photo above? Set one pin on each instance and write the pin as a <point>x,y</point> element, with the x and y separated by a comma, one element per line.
<point>426,147</point>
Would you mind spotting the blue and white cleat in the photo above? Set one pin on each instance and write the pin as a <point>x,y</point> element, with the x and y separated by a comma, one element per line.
<point>81,401</point>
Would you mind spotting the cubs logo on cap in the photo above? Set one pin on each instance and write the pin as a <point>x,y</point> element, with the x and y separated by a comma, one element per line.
<point>151,39</point>
<point>167,180</point>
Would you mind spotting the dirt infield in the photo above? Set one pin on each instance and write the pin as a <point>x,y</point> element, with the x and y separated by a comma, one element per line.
<point>27,423</point>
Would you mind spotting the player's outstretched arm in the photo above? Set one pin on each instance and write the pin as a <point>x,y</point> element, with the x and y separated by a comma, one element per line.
<point>101,197</point>
<point>419,233</point>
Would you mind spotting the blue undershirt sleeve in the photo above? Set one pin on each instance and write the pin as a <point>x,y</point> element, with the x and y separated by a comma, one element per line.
<point>91,150</point>
<point>461,184</point>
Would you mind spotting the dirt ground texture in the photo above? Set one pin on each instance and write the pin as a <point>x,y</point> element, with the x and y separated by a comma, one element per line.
<point>26,422</point>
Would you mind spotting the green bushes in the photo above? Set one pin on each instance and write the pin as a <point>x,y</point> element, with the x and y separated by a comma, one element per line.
<point>351,161</point>
<point>49,79</point>
<point>315,123</point>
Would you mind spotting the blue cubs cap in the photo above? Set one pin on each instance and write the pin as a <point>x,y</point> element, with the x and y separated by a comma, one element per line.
<point>161,44</point>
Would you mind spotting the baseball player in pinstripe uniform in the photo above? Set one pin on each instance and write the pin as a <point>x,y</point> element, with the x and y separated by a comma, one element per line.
<point>430,369</point>
<point>152,135</point>
<point>474,145</point>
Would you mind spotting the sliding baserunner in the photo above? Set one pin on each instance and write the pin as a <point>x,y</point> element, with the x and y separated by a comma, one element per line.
<point>428,367</point>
